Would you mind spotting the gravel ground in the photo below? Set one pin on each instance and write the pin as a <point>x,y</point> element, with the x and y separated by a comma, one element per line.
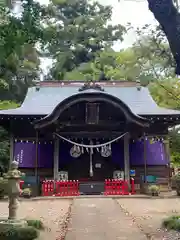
<point>149,213</point>
<point>146,214</point>
<point>54,214</point>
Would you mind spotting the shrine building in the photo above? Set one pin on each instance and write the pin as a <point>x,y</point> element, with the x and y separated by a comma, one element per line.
<point>90,132</point>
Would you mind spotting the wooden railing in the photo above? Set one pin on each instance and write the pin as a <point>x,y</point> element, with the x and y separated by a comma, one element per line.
<point>71,187</point>
<point>60,188</point>
<point>119,187</point>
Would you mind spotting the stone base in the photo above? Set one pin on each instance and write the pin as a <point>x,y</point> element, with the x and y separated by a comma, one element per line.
<point>6,223</point>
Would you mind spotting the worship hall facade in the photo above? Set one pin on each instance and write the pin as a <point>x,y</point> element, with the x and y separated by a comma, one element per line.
<point>90,132</point>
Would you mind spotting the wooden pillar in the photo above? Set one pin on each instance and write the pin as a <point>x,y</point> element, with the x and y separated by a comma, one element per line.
<point>56,158</point>
<point>145,159</point>
<point>36,161</point>
<point>11,149</point>
<point>126,158</point>
<point>167,156</point>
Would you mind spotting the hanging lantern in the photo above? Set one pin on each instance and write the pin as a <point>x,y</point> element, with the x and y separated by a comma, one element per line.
<point>75,152</point>
<point>106,152</point>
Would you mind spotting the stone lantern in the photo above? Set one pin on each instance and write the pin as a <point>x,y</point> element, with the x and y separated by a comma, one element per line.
<point>13,176</point>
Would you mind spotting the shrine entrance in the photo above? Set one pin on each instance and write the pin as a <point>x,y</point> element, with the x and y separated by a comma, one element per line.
<point>82,120</point>
<point>81,169</point>
<point>91,164</point>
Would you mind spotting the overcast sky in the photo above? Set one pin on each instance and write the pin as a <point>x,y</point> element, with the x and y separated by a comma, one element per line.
<point>134,11</point>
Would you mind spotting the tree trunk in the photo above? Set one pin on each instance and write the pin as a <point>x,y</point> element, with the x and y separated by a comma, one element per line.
<point>169,18</point>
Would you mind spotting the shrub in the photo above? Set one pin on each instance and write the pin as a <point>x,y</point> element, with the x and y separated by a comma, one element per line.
<point>176,177</point>
<point>3,187</point>
<point>38,224</point>
<point>19,233</point>
<point>153,189</point>
<point>26,192</point>
<point>172,223</point>
<point>27,233</point>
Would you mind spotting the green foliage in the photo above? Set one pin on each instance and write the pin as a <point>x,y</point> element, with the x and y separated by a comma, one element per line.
<point>172,222</point>
<point>26,192</point>
<point>153,189</point>
<point>8,105</point>
<point>83,32</point>
<point>176,177</point>
<point>4,137</point>
<point>38,224</point>
<point>19,59</point>
<point>166,92</point>
<point>148,60</point>
<point>3,187</point>
<point>19,233</point>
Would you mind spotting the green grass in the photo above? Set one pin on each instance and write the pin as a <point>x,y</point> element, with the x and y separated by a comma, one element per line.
<point>19,233</point>
<point>38,224</point>
<point>172,222</point>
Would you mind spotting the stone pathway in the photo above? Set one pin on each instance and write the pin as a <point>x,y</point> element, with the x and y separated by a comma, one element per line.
<point>101,219</point>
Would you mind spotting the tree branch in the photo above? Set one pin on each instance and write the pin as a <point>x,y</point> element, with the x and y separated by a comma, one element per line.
<point>169,18</point>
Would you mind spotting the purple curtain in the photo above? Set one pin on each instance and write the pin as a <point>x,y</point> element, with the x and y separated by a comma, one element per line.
<point>25,154</point>
<point>118,153</point>
<point>155,153</point>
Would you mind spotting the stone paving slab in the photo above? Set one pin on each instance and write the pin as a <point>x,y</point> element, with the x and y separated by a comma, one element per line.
<point>101,219</point>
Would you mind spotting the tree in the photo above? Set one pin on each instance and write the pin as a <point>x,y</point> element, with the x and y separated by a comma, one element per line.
<point>166,13</point>
<point>174,135</point>
<point>19,59</point>
<point>147,60</point>
<point>4,137</point>
<point>77,30</point>
<point>168,17</point>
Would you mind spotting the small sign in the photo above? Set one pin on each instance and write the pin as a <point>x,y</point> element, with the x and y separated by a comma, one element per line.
<point>98,165</point>
<point>63,175</point>
<point>118,174</point>
<point>132,173</point>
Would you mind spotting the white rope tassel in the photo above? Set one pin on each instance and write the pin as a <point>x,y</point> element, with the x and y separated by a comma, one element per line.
<point>82,150</point>
<point>91,166</point>
<point>91,149</point>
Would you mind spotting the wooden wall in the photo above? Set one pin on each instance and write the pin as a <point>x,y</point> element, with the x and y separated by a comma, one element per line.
<point>162,174</point>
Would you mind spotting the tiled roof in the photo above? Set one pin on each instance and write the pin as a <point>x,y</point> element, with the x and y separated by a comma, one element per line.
<point>43,102</point>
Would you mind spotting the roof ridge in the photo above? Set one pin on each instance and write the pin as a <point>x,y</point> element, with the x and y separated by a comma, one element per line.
<point>81,83</point>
